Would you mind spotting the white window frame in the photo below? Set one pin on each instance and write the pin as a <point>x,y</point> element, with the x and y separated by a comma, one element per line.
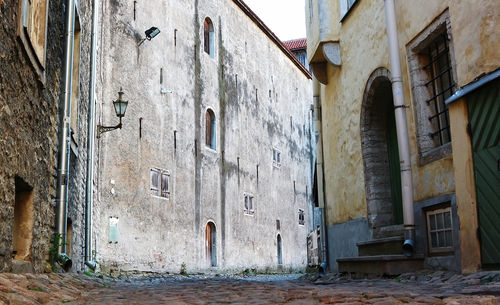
<point>248,206</point>
<point>276,157</point>
<point>158,190</point>
<point>444,229</point>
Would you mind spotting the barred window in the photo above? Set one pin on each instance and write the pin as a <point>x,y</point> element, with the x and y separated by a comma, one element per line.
<point>302,220</point>
<point>441,86</point>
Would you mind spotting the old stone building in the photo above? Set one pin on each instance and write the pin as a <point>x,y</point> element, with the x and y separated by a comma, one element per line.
<point>212,166</point>
<point>448,53</point>
<point>31,97</point>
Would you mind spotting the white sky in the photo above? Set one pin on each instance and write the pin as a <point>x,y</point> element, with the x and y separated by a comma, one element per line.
<point>286,18</point>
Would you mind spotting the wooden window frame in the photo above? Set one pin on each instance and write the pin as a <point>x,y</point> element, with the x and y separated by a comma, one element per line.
<point>159,190</point>
<point>210,130</point>
<point>441,212</point>
<point>208,37</point>
<point>38,61</point>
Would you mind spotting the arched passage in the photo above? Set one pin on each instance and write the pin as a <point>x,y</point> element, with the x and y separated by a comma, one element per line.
<point>211,244</point>
<point>380,152</point>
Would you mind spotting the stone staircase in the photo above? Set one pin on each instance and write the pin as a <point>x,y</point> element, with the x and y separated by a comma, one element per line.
<point>382,255</point>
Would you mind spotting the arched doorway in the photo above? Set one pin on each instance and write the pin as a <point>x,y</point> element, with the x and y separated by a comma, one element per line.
<point>279,248</point>
<point>211,244</point>
<point>380,152</point>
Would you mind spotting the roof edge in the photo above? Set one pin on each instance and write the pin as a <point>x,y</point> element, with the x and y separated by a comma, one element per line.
<point>244,7</point>
<point>473,86</point>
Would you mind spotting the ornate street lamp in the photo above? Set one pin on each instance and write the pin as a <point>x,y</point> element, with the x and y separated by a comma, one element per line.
<point>120,107</point>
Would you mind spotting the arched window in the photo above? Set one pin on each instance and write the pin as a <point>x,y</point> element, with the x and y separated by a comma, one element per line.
<point>210,129</point>
<point>208,36</point>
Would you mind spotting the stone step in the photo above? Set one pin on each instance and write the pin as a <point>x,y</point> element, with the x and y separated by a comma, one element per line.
<point>388,231</point>
<point>381,264</point>
<point>381,246</point>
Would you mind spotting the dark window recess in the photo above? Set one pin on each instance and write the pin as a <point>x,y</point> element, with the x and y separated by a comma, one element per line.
<point>175,37</point>
<point>208,37</point>
<point>160,183</point>
<point>301,217</point>
<point>210,129</point>
<point>441,86</point>
<point>278,224</point>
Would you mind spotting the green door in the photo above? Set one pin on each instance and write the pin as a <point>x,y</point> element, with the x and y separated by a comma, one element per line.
<point>394,165</point>
<point>484,118</point>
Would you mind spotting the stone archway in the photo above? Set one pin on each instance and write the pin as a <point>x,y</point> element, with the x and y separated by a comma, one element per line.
<point>380,152</point>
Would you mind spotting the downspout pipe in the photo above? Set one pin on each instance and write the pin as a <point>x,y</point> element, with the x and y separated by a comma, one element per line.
<point>320,173</point>
<point>89,260</point>
<point>64,138</point>
<point>401,129</point>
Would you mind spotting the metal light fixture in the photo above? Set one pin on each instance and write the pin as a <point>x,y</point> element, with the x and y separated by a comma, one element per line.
<point>120,107</point>
<point>150,34</point>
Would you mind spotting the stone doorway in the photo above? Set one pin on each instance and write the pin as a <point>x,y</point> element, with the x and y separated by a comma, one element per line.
<point>211,244</point>
<point>22,229</point>
<point>380,153</point>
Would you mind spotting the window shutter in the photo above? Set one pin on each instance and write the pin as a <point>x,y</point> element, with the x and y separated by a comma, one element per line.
<point>164,185</point>
<point>154,182</point>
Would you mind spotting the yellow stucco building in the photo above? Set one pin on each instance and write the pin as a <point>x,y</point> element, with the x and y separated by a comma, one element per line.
<point>449,52</point>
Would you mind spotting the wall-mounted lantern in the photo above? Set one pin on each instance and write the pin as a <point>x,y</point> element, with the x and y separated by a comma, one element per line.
<point>120,107</point>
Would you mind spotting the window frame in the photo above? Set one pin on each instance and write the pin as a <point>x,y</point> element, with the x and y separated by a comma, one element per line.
<point>428,151</point>
<point>210,129</point>
<point>22,33</point>
<point>248,210</point>
<point>276,161</point>
<point>302,220</point>
<point>158,190</point>
<point>208,37</point>
<point>439,211</point>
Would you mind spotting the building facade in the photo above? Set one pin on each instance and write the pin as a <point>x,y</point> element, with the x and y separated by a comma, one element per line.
<point>443,50</point>
<point>31,94</point>
<point>212,167</point>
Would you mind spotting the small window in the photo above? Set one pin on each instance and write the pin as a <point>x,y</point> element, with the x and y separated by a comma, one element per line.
<point>160,183</point>
<point>440,230</point>
<point>208,37</point>
<point>210,129</point>
<point>301,217</point>
<point>248,208</point>
<point>276,158</point>
<point>32,31</point>
<point>345,6</point>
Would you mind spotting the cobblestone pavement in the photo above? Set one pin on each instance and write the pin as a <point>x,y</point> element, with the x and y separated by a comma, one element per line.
<point>422,288</point>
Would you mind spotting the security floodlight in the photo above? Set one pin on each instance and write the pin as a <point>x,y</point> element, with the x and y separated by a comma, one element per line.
<point>150,34</point>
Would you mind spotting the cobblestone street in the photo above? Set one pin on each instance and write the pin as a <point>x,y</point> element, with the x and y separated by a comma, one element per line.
<point>428,288</point>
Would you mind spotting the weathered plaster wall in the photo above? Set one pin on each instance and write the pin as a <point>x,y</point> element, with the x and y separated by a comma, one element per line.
<point>364,48</point>
<point>253,90</point>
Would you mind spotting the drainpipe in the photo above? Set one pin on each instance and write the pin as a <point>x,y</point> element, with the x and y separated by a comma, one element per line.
<point>402,129</point>
<point>319,173</point>
<point>90,143</point>
<point>64,138</point>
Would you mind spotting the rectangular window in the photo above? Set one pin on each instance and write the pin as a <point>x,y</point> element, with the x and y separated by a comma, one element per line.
<point>33,32</point>
<point>439,230</point>
<point>248,208</point>
<point>302,220</point>
<point>433,79</point>
<point>160,183</point>
<point>276,157</point>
